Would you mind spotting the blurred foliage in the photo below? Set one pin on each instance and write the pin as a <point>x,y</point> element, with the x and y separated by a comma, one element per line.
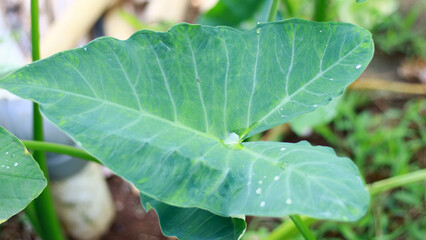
<point>231,12</point>
<point>384,140</point>
<point>398,215</point>
<point>383,144</point>
<point>393,32</point>
<point>397,33</point>
<point>366,15</point>
<point>258,234</point>
<point>136,23</point>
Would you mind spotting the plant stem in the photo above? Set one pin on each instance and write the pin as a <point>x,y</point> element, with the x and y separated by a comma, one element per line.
<point>47,220</point>
<point>287,229</point>
<point>273,11</point>
<point>320,10</point>
<point>398,181</point>
<point>59,148</point>
<point>303,229</point>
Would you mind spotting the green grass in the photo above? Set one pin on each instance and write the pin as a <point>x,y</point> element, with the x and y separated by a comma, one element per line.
<point>383,143</point>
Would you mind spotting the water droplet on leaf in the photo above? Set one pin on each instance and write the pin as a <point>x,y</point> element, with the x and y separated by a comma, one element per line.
<point>259,191</point>
<point>262,203</point>
<point>358,66</point>
<point>288,201</point>
<point>283,149</point>
<point>260,182</point>
<point>16,164</point>
<point>276,178</point>
<point>231,139</point>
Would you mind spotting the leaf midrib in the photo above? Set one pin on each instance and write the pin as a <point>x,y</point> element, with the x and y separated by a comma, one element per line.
<point>173,123</point>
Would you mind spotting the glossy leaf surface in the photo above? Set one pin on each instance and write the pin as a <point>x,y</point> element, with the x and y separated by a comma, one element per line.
<point>167,111</point>
<point>194,223</point>
<point>21,179</point>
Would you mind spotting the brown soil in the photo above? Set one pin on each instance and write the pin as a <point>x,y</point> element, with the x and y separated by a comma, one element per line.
<point>131,222</point>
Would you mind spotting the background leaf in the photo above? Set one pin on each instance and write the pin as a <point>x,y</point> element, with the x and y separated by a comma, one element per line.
<point>194,223</point>
<point>231,12</point>
<point>303,124</point>
<point>158,109</point>
<point>21,179</point>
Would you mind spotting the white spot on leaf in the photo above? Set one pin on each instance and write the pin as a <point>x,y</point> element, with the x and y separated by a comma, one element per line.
<point>232,138</point>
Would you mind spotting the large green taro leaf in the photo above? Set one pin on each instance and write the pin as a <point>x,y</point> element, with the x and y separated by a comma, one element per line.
<point>163,109</point>
<point>21,179</point>
<point>194,223</point>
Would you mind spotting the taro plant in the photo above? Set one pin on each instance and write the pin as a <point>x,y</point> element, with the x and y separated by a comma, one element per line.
<point>169,112</point>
